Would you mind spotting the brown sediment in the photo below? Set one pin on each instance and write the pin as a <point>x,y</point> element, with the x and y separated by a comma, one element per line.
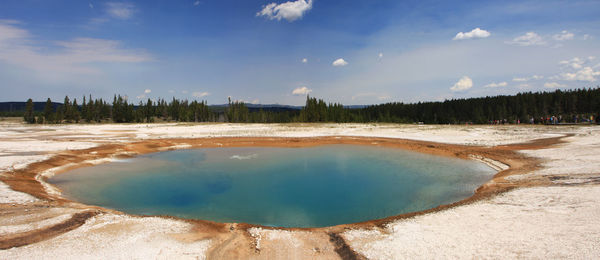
<point>35,236</point>
<point>343,249</point>
<point>233,239</point>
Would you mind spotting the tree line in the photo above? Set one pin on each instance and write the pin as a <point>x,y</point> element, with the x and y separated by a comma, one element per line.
<point>570,106</point>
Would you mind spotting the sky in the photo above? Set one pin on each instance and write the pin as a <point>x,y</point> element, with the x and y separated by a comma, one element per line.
<point>353,52</point>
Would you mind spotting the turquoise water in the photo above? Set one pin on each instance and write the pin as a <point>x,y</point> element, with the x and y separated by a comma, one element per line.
<point>289,187</point>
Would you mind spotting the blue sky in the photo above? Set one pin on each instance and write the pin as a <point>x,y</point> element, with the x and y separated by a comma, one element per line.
<point>354,52</point>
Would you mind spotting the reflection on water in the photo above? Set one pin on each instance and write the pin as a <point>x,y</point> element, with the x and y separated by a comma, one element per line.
<point>292,187</point>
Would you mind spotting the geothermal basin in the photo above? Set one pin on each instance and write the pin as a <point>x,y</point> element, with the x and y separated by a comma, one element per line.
<point>280,187</point>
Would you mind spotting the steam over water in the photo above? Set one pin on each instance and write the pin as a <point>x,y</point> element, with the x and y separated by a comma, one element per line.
<point>290,187</point>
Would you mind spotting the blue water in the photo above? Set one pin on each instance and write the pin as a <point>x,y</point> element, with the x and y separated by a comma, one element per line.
<point>289,187</point>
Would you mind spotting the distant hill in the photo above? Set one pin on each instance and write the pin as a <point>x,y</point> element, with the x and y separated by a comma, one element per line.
<point>258,107</point>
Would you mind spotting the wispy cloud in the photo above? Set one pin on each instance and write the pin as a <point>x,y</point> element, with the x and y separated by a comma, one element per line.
<point>463,84</point>
<point>553,85</point>
<point>563,36</point>
<point>575,63</point>
<point>197,3</point>
<point>289,11</point>
<point>120,10</point>
<point>475,33</point>
<point>496,85</point>
<point>200,94</point>
<point>76,56</point>
<point>528,39</point>
<point>379,96</point>
<point>525,79</point>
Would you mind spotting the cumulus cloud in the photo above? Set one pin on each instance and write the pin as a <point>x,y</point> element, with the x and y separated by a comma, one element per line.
<point>304,60</point>
<point>528,39</point>
<point>289,11</point>
<point>301,91</point>
<point>463,84</point>
<point>495,85</point>
<point>339,62</point>
<point>578,69</point>
<point>563,36</point>
<point>200,94</point>
<point>76,56</point>
<point>147,91</point>
<point>475,33</point>
<point>525,79</point>
<point>584,74</point>
<point>553,85</point>
<point>120,10</point>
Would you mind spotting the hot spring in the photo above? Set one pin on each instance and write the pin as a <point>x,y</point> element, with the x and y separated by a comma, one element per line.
<point>285,187</point>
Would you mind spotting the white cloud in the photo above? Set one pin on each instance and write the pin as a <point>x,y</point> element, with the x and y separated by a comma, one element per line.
<point>564,36</point>
<point>475,33</point>
<point>525,79</point>
<point>380,55</point>
<point>578,69</point>
<point>91,5</point>
<point>184,92</point>
<point>586,37</point>
<point>290,11</point>
<point>495,85</point>
<point>196,3</point>
<point>575,63</point>
<point>301,91</point>
<point>463,84</point>
<point>72,57</point>
<point>304,60</point>
<point>143,96</point>
<point>339,62</point>
<point>585,74</point>
<point>553,85</point>
<point>200,94</point>
<point>528,39</point>
<point>120,10</point>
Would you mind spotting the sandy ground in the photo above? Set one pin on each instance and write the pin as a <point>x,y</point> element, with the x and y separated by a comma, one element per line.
<point>559,217</point>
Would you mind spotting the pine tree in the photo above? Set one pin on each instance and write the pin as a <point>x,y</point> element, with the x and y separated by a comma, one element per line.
<point>76,116</point>
<point>48,115</point>
<point>29,117</point>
